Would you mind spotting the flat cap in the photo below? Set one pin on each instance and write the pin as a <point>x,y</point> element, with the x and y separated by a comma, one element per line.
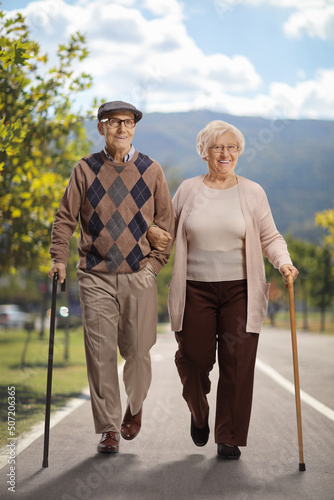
<point>109,107</point>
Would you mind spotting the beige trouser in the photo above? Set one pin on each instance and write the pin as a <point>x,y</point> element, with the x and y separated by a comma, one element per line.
<point>118,309</point>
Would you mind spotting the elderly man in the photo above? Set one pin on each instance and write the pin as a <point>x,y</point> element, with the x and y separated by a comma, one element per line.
<point>117,193</point>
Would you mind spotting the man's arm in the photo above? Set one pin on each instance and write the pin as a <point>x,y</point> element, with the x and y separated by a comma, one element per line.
<point>164,219</point>
<point>64,224</point>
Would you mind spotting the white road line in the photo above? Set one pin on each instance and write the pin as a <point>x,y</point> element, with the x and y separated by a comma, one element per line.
<point>283,382</point>
<point>37,430</point>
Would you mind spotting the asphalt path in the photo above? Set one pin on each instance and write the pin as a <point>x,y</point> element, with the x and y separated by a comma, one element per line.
<point>163,463</point>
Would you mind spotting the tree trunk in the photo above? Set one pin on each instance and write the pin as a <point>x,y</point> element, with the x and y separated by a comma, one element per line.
<point>322,316</point>
<point>305,309</point>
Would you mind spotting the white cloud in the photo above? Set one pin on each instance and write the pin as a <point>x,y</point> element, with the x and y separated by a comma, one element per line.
<point>143,58</point>
<point>315,22</point>
<point>170,8</point>
<point>314,18</point>
<point>147,57</point>
<point>311,98</point>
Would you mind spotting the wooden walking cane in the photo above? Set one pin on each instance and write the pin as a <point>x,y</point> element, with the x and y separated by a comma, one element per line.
<point>50,366</point>
<point>296,372</point>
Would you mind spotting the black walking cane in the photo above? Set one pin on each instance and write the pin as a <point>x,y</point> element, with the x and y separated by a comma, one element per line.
<point>50,365</point>
<point>296,372</point>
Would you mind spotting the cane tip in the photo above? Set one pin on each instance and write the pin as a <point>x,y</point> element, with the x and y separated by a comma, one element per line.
<point>45,464</point>
<point>302,467</point>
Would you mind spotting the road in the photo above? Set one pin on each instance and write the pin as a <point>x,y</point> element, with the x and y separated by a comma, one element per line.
<point>163,463</point>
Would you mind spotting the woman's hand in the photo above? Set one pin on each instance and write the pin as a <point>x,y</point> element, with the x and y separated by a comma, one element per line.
<point>285,271</point>
<point>59,268</point>
<point>158,238</point>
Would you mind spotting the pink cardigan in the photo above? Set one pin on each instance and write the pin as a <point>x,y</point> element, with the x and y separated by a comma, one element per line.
<point>262,237</point>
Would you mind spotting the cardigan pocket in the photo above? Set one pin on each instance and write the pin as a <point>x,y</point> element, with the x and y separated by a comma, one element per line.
<point>265,285</point>
<point>257,305</point>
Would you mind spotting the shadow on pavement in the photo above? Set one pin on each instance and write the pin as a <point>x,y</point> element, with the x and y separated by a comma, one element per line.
<point>124,476</point>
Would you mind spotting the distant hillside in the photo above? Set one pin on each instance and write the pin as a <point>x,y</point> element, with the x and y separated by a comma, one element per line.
<point>293,160</point>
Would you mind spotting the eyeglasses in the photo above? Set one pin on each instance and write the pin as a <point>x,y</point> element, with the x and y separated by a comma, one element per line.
<point>230,149</point>
<point>116,122</point>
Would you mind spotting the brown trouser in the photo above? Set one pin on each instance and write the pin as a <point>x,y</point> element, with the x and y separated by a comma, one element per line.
<point>215,316</point>
<point>118,310</point>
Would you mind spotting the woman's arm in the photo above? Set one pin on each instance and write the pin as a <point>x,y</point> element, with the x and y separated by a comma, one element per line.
<point>274,245</point>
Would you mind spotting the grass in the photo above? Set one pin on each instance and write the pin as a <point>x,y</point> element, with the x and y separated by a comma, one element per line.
<point>69,377</point>
<point>282,320</point>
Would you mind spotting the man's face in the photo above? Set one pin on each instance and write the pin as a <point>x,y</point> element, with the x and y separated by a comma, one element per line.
<point>117,138</point>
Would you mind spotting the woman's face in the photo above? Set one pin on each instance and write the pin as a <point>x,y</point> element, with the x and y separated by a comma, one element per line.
<point>222,162</point>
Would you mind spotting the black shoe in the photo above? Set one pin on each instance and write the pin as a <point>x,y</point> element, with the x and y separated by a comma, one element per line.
<point>230,452</point>
<point>199,436</point>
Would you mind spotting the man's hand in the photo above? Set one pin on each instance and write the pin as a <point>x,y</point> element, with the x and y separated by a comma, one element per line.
<point>158,238</point>
<point>59,268</point>
<point>286,269</point>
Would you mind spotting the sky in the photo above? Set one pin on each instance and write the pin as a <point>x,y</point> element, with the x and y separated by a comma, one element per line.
<point>268,58</point>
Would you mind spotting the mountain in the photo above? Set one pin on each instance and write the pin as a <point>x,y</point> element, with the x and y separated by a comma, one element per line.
<point>293,160</point>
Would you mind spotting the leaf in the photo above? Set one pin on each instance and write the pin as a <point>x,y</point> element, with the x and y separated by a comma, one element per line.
<point>16,212</point>
<point>21,54</point>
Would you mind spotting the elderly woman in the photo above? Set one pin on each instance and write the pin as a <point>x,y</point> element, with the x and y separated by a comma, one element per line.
<point>219,294</point>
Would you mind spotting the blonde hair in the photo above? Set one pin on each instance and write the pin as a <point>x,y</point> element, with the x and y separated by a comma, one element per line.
<point>209,135</point>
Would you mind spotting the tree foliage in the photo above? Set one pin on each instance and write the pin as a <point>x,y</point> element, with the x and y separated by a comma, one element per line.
<point>326,270</point>
<point>326,219</point>
<point>41,139</point>
<point>315,284</point>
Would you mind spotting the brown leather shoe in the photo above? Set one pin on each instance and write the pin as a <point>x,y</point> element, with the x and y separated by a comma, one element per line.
<point>109,442</point>
<point>131,424</point>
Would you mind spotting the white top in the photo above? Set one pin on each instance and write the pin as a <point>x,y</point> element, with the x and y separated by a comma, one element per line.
<point>216,231</point>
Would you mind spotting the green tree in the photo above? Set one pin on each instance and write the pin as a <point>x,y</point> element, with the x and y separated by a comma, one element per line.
<point>326,219</point>
<point>304,257</point>
<point>324,297</point>
<point>322,283</point>
<point>41,139</point>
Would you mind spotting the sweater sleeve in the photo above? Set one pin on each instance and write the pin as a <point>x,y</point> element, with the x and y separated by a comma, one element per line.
<point>164,218</point>
<point>273,244</point>
<point>67,217</point>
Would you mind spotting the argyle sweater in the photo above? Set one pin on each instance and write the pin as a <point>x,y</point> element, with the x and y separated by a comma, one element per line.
<point>116,203</point>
